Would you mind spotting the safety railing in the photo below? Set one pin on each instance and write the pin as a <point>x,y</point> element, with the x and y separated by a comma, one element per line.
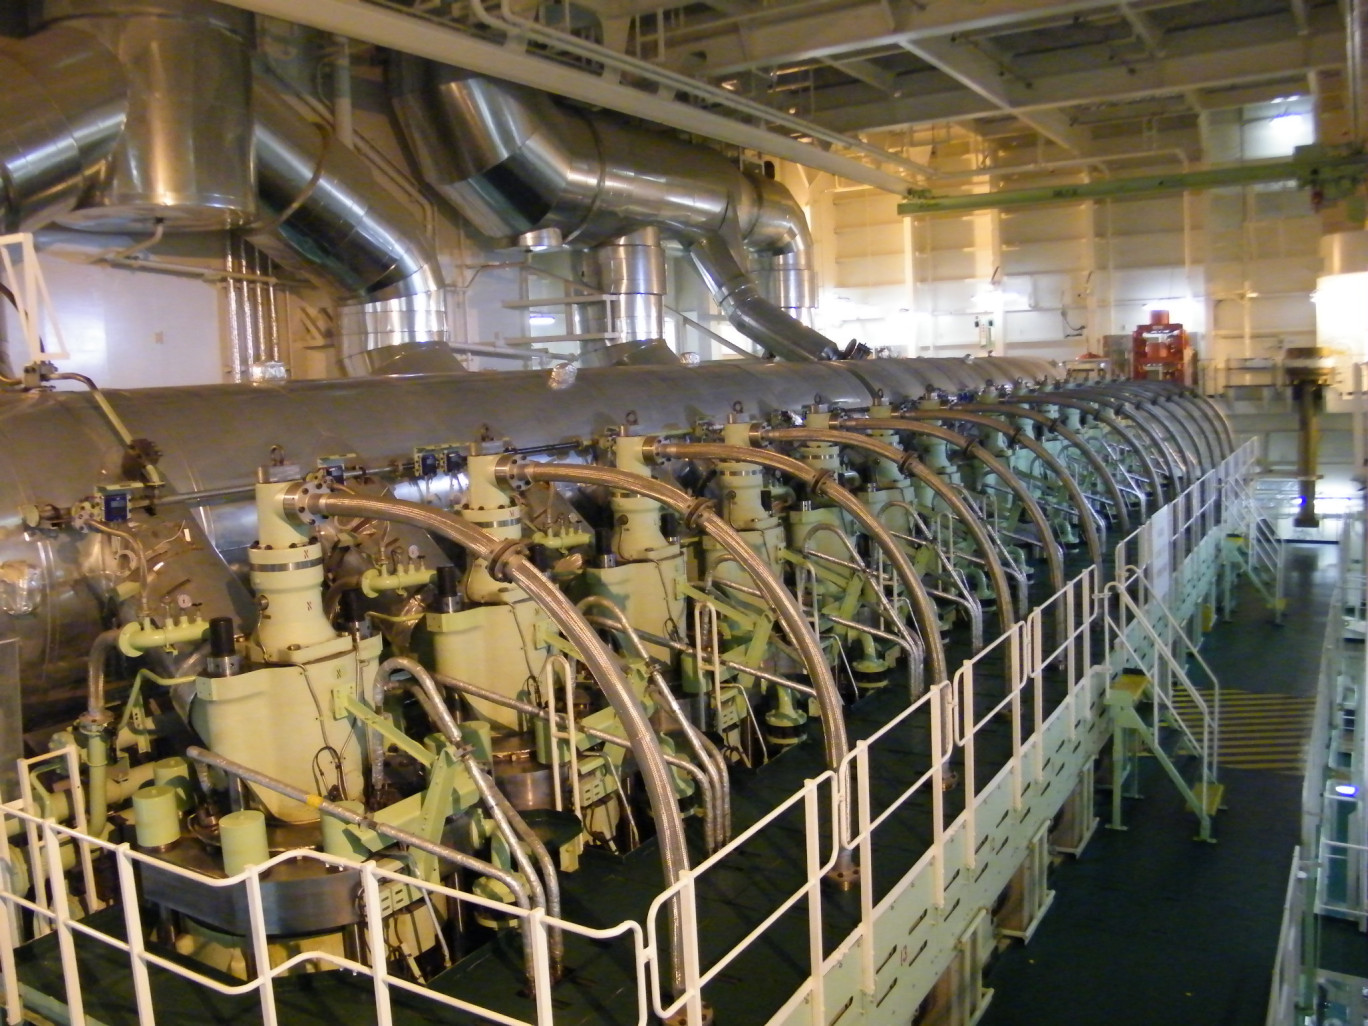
<point>1045,705</point>
<point>49,840</point>
<point>821,853</point>
<point>1286,991</point>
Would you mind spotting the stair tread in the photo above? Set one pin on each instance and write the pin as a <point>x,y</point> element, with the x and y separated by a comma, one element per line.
<point>1130,685</point>
<point>1210,796</point>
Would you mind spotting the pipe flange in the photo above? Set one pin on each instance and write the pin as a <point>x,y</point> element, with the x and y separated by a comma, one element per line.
<point>696,511</point>
<point>508,471</point>
<point>295,500</point>
<point>499,558</point>
<point>820,480</point>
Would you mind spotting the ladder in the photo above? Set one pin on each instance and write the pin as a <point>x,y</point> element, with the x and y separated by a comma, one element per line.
<point>1155,705</point>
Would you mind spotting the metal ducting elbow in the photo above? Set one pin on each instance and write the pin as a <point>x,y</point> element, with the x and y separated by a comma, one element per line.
<point>324,214</point>
<point>515,164</point>
<point>780,236</point>
<point>62,114</point>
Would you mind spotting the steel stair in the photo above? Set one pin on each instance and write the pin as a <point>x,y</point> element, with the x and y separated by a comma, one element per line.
<point>1148,719</point>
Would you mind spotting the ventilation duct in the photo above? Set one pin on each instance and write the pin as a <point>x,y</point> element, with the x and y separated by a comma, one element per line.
<point>134,115</point>
<point>325,214</point>
<point>63,113</point>
<point>515,164</point>
<point>184,158</point>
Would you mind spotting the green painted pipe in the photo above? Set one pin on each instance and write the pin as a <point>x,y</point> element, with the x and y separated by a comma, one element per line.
<point>1315,167</point>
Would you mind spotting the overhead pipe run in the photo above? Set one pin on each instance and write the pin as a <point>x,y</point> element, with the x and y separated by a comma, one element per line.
<point>515,164</point>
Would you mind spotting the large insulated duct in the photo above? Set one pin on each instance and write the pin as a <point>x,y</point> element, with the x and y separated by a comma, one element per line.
<point>142,115</point>
<point>184,157</point>
<point>61,114</point>
<point>516,164</point>
<point>320,200</point>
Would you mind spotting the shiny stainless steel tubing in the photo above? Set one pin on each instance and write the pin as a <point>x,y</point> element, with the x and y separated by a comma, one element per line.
<point>749,312</point>
<point>1054,424</point>
<point>710,759</point>
<point>515,830</point>
<point>1189,442</point>
<point>1086,521</point>
<point>711,811</point>
<point>514,164</point>
<point>322,208</point>
<point>909,461</point>
<point>825,486</point>
<point>970,447</point>
<point>546,887</point>
<point>523,572</point>
<point>1177,468</point>
<point>700,513</point>
<point>1105,417</point>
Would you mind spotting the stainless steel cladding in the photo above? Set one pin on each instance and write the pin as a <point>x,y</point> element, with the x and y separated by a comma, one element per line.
<point>336,223</point>
<point>515,164</point>
<point>61,115</point>
<point>632,271</point>
<point>184,158</point>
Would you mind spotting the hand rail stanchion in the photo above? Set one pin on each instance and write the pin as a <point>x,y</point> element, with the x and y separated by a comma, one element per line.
<point>128,895</point>
<point>61,914</point>
<point>816,954</point>
<point>541,967</point>
<point>375,934</point>
<point>9,931</point>
<point>866,848</point>
<point>688,931</point>
<point>966,678</point>
<point>261,946</point>
<point>938,757</point>
<point>1014,704</point>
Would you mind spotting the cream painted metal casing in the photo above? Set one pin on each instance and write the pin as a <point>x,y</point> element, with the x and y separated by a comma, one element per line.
<point>498,647</point>
<point>278,717</point>
<point>649,595</point>
<point>493,509</point>
<point>636,519</point>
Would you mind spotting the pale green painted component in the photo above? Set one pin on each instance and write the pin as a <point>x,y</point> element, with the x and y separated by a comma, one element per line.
<point>490,506</point>
<point>243,835</point>
<point>562,539</point>
<point>340,838</point>
<point>477,735</point>
<point>384,726</point>
<point>442,796</point>
<point>175,774</point>
<point>1313,166</point>
<point>156,821</point>
<point>649,594</point>
<point>136,638</point>
<point>375,581</point>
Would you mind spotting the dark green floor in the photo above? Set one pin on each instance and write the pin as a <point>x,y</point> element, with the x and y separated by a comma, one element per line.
<point>1150,927</point>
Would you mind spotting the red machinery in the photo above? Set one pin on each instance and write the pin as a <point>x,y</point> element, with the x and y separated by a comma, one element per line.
<point>1159,350</point>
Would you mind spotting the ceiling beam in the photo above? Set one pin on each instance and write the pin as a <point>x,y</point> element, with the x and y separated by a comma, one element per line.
<point>869,73</point>
<point>773,36</point>
<point>1185,73</point>
<point>975,70</point>
<point>424,38</point>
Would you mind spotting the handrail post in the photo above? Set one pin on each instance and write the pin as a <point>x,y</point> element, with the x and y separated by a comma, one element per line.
<point>816,952</point>
<point>133,928</point>
<point>864,815</point>
<point>61,916</point>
